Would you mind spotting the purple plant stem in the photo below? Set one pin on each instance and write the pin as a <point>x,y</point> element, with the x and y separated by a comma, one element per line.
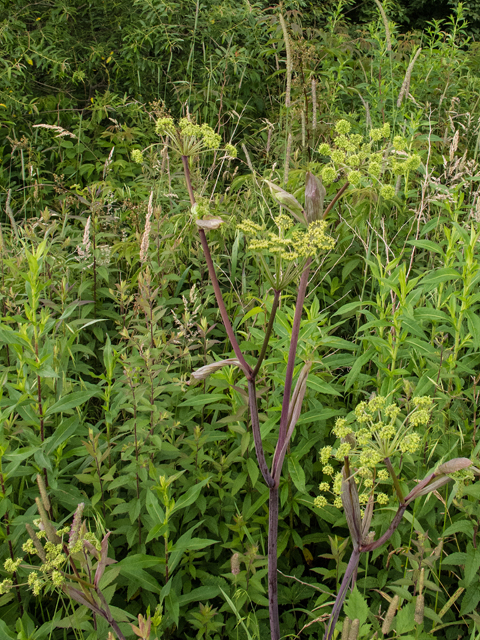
<point>302,290</point>
<point>213,277</point>
<point>221,306</point>
<point>272,564</point>
<point>257,438</point>
<point>268,332</point>
<point>337,607</point>
<point>393,525</point>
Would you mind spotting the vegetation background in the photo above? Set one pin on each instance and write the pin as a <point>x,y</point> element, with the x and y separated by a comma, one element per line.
<point>105,317</point>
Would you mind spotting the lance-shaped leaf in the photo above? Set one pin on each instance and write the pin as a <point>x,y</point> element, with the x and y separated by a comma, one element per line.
<point>315,194</point>
<point>294,410</point>
<point>287,200</point>
<point>207,224</point>
<point>351,506</point>
<point>208,369</point>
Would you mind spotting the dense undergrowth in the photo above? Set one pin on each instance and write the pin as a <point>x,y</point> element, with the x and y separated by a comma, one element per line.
<point>108,308</point>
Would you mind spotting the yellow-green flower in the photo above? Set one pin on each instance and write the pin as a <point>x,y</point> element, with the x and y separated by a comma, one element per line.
<point>137,156</point>
<point>387,192</point>
<point>320,501</point>
<point>328,175</point>
<point>399,143</point>
<point>343,127</point>
<point>324,149</point>
<point>354,177</point>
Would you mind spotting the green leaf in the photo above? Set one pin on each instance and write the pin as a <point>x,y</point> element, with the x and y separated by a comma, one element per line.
<point>189,496</point>
<point>253,312</point>
<point>404,620</point>
<point>253,471</point>
<point>457,558</point>
<point>472,564</point>
<point>470,599</point>
<point>357,367</point>
<point>71,401</point>
<point>351,306</point>
<point>473,321</point>
<point>63,432</point>
<point>436,277</point>
<point>317,384</point>
<point>200,594</point>
<point>202,399</point>
<point>154,509</point>
<point>356,607</point>
<point>426,244</point>
<point>172,606</point>
<point>141,577</point>
<point>461,526</point>
<point>239,482</point>
<point>297,474</point>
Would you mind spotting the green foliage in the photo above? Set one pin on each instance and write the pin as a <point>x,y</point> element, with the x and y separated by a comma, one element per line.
<point>107,309</point>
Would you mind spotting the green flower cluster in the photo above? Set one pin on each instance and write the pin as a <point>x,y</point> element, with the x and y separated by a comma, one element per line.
<point>377,432</point>
<point>137,156</point>
<point>189,138</point>
<point>165,127</point>
<point>357,160</point>
<point>211,140</point>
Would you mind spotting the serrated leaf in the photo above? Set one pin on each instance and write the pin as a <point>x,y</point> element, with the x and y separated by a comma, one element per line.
<point>404,620</point>
<point>461,526</point>
<point>356,607</point>
<point>472,564</point>
<point>470,599</point>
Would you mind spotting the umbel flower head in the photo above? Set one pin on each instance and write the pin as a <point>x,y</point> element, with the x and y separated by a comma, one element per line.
<point>376,434</point>
<point>186,138</point>
<point>288,246</point>
<point>367,162</point>
<point>189,138</point>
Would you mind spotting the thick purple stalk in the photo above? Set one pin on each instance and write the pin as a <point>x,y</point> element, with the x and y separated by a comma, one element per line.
<point>257,438</point>
<point>221,306</point>
<point>302,290</point>
<point>337,607</point>
<point>213,277</point>
<point>272,564</point>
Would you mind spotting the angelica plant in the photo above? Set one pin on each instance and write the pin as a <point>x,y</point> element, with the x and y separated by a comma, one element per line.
<point>292,247</point>
<point>375,438</point>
